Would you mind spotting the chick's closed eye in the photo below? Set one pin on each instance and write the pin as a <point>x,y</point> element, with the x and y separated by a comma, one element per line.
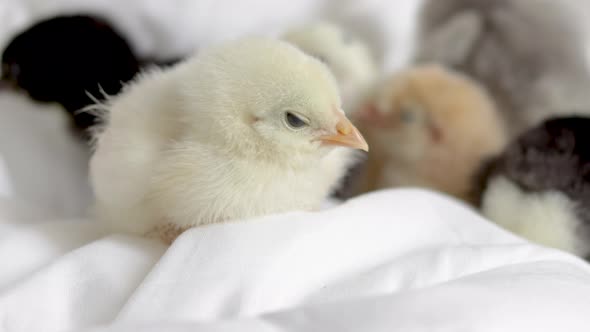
<point>295,121</point>
<point>409,113</point>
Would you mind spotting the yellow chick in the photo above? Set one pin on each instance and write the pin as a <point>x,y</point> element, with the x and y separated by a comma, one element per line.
<point>247,128</point>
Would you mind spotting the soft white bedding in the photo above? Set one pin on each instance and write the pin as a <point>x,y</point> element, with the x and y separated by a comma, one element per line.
<point>43,168</point>
<point>402,260</point>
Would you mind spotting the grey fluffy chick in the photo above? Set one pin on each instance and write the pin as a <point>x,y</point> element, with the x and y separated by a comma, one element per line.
<point>539,187</point>
<point>528,53</point>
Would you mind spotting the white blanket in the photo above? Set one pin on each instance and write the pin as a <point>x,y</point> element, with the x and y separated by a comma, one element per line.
<point>404,260</point>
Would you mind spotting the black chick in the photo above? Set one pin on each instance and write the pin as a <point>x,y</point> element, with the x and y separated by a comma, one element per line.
<point>67,58</point>
<point>539,187</point>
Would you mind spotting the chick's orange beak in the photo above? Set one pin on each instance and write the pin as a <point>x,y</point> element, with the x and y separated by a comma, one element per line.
<point>346,135</point>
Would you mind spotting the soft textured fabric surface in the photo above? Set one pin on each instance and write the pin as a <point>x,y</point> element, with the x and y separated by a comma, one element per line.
<point>403,260</point>
<point>43,166</point>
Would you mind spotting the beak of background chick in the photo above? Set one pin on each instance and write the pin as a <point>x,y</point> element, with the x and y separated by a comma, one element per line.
<point>346,135</point>
<point>370,115</point>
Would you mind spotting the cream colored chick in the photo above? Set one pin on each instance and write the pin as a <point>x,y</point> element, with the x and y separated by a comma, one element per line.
<point>429,127</point>
<point>349,58</point>
<point>247,128</point>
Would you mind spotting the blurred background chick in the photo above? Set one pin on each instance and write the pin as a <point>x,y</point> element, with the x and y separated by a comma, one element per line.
<point>428,127</point>
<point>530,54</point>
<point>74,61</point>
<point>69,60</point>
<point>539,187</point>
<point>347,56</point>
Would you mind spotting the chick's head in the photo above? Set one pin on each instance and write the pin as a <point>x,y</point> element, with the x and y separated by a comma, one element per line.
<point>265,98</point>
<point>430,108</point>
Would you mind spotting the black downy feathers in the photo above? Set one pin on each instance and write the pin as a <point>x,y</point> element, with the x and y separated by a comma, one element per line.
<point>70,60</point>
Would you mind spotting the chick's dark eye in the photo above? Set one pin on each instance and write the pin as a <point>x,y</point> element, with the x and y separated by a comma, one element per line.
<point>321,58</point>
<point>410,112</point>
<point>407,116</point>
<point>294,121</point>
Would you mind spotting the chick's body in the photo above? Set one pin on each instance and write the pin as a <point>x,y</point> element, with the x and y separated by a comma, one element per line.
<point>215,139</point>
<point>539,187</point>
<point>429,127</point>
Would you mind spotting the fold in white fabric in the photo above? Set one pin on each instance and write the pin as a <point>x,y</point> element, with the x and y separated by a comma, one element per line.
<point>406,260</point>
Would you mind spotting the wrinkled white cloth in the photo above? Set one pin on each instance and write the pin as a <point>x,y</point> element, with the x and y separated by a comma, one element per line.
<point>403,260</point>
<point>43,167</point>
